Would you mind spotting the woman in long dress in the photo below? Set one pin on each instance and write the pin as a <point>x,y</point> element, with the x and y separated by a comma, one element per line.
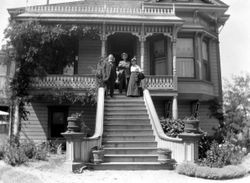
<point>133,86</point>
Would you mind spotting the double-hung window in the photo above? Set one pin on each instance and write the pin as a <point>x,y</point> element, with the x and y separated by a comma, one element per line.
<point>205,61</point>
<point>185,58</point>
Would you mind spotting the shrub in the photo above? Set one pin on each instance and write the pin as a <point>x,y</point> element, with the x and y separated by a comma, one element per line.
<point>188,169</point>
<point>221,155</point>
<point>227,172</point>
<point>172,127</point>
<point>29,148</point>
<point>41,152</point>
<point>14,155</point>
<point>2,151</point>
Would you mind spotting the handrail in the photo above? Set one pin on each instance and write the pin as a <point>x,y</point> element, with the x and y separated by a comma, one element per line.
<point>99,115</point>
<point>155,119</point>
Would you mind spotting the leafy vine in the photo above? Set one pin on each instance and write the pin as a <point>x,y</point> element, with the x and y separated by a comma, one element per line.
<point>41,49</point>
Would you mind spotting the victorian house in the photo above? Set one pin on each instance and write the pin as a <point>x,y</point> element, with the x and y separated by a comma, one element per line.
<point>176,43</point>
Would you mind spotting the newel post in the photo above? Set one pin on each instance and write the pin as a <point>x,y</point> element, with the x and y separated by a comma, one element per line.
<point>191,137</point>
<point>77,151</point>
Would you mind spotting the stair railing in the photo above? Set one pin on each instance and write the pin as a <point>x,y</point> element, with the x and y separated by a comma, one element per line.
<point>183,149</point>
<point>99,118</point>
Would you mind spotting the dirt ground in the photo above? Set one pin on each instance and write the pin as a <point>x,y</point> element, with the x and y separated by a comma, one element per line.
<point>55,171</point>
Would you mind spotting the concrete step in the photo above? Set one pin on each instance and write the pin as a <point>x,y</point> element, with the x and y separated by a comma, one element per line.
<point>128,138</point>
<point>125,104</point>
<point>126,113</point>
<point>128,132</point>
<point>124,100</point>
<point>126,118</point>
<point>131,166</point>
<point>129,150</point>
<point>117,126</point>
<point>122,122</point>
<point>129,144</point>
<point>129,109</point>
<point>130,158</point>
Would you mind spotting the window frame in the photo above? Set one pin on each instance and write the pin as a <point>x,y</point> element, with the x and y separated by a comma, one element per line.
<point>206,63</point>
<point>187,36</point>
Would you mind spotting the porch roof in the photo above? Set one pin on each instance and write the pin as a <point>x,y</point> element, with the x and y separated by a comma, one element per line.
<point>99,11</point>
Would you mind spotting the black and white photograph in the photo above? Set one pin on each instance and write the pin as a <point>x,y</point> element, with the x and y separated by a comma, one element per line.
<point>118,91</point>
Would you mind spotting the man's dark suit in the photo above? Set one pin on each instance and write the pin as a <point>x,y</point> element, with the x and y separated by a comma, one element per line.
<point>109,76</point>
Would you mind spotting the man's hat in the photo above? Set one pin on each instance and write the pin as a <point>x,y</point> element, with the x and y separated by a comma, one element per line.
<point>124,54</point>
<point>133,59</point>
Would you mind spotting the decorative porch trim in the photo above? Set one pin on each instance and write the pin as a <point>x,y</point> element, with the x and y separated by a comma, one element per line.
<point>161,82</point>
<point>64,81</point>
<point>101,9</point>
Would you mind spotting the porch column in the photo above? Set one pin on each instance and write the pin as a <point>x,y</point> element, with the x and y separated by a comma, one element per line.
<point>103,38</point>
<point>104,41</point>
<point>142,40</point>
<point>175,108</point>
<point>174,56</point>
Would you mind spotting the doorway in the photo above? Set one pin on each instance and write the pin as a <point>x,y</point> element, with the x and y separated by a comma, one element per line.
<point>121,42</point>
<point>57,120</point>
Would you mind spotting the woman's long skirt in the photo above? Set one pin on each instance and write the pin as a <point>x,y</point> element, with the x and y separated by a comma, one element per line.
<point>133,90</point>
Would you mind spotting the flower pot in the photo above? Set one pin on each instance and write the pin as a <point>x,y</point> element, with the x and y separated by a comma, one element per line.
<point>164,155</point>
<point>73,124</point>
<point>191,126</point>
<point>98,156</point>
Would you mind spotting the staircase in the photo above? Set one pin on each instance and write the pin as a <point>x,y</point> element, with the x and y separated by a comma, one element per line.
<point>128,138</point>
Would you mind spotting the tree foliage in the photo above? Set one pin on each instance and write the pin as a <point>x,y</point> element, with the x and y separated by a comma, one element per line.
<point>41,49</point>
<point>236,108</point>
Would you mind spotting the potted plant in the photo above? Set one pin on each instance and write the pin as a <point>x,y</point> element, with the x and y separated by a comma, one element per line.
<point>76,123</point>
<point>97,154</point>
<point>164,155</point>
<point>191,125</point>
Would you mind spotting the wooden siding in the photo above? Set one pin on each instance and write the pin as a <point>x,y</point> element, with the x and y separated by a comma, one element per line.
<point>89,54</point>
<point>159,107</point>
<point>36,128</point>
<point>214,70</point>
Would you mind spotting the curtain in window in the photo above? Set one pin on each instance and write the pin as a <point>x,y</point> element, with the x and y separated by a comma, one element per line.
<point>185,57</point>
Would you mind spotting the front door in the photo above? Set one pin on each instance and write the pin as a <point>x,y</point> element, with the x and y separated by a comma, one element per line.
<point>57,120</point>
<point>158,55</point>
<point>122,42</point>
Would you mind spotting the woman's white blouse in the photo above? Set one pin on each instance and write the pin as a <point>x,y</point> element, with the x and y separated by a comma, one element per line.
<point>135,68</point>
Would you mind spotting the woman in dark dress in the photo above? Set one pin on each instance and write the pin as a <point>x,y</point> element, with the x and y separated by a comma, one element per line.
<point>133,86</point>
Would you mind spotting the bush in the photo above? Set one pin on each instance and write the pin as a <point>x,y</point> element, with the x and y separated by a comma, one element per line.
<point>188,169</point>
<point>227,172</point>
<point>1,151</point>
<point>172,127</point>
<point>221,155</point>
<point>41,152</point>
<point>29,148</point>
<point>14,155</point>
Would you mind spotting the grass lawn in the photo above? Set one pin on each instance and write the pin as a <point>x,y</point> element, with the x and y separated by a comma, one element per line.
<point>56,171</point>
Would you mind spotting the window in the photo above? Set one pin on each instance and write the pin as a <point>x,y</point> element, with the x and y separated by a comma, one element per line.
<point>205,61</point>
<point>185,57</point>
<point>57,120</point>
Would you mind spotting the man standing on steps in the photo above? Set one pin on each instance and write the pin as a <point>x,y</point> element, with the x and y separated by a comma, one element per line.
<point>124,72</point>
<point>109,75</point>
